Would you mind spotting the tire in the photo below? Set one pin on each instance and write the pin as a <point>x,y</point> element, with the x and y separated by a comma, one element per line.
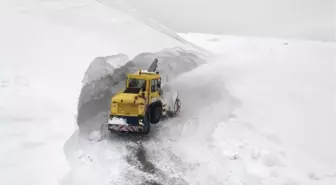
<point>156,114</point>
<point>147,124</point>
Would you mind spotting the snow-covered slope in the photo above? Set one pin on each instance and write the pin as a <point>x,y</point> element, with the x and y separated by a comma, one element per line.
<point>46,47</point>
<point>305,19</point>
<point>125,8</point>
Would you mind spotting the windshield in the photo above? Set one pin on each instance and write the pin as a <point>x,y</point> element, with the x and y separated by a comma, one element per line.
<point>136,83</point>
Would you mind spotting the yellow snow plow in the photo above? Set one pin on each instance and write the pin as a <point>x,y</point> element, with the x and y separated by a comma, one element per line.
<point>142,102</point>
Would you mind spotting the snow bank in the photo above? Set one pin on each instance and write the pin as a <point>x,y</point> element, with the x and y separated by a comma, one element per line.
<point>103,66</point>
<point>264,114</point>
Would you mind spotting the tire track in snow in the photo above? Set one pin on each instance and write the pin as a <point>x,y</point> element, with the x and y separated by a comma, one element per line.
<point>138,156</point>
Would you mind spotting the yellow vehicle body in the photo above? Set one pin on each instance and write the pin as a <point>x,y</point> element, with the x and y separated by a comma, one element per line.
<point>141,102</point>
<point>133,102</point>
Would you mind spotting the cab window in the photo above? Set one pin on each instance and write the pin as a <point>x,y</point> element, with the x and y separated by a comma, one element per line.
<point>136,83</point>
<point>159,83</point>
<point>154,85</point>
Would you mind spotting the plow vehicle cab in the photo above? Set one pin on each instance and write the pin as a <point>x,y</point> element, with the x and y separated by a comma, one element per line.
<point>141,103</point>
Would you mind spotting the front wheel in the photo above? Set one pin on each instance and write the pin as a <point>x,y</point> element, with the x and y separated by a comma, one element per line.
<point>156,114</point>
<point>146,123</point>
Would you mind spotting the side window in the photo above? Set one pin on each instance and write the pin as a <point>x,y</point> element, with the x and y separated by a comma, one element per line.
<point>159,83</point>
<point>152,86</point>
